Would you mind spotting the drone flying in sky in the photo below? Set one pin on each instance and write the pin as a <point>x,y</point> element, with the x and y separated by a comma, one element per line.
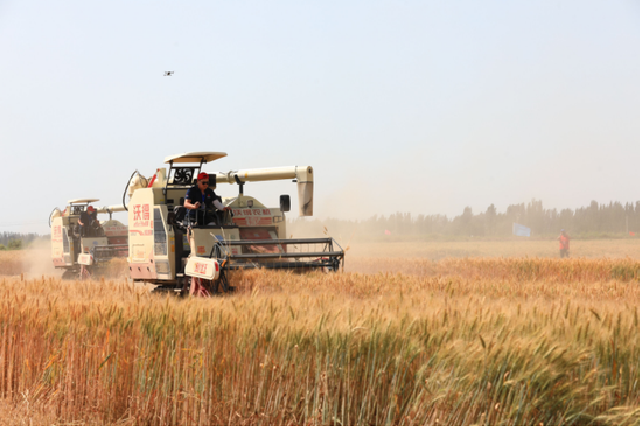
<point>168,73</point>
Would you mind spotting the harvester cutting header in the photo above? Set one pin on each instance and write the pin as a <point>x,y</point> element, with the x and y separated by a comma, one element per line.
<point>184,243</point>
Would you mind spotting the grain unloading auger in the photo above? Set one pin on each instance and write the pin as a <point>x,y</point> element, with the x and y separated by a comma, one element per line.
<point>167,249</point>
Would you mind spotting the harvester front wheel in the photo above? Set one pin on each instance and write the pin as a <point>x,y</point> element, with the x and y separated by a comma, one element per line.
<point>184,284</point>
<point>85,274</point>
<point>199,287</point>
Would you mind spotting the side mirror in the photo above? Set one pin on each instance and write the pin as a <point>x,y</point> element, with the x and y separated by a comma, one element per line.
<point>285,203</point>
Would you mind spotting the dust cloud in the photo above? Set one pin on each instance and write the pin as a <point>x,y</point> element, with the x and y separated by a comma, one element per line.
<point>36,261</point>
<point>351,200</point>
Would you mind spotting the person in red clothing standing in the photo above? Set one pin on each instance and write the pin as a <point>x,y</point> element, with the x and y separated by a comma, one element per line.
<point>564,243</point>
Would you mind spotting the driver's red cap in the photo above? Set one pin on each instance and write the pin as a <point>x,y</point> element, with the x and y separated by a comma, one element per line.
<point>203,176</point>
<point>91,209</point>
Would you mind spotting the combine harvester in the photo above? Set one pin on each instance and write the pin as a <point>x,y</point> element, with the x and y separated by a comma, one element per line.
<point>168,249</point>
<point>82,254</point>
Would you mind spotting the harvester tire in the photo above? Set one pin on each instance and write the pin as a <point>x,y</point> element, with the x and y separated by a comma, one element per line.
<point>69,275</point>
<point>184,288</point>
<point>85,273</point>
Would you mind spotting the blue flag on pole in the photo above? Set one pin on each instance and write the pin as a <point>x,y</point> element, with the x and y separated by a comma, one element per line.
<point>521,230</point>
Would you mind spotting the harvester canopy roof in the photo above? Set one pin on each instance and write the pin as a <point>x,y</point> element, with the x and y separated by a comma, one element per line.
<point>195,157</point>
<point>84,201</point>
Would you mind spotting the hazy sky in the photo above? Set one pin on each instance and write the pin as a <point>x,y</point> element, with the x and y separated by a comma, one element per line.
<point>412,106</point>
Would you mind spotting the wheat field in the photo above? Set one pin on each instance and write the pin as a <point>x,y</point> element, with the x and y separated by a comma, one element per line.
<point>511,341</point>
<point>508,247</point>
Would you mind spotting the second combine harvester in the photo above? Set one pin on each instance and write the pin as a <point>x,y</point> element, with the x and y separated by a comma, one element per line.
<point>168,249</point>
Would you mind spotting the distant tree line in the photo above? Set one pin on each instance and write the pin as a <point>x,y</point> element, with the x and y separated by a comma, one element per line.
<point>16,241</point>
<point>594,220</point>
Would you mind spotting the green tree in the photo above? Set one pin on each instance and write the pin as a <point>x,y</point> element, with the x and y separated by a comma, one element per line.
<point>14,245</point>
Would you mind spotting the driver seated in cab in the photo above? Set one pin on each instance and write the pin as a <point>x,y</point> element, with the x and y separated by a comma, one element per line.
<point>88,222</point>
<point>200,200</point>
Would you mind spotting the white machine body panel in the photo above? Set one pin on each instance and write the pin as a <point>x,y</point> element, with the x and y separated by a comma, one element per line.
<point>151,240</point>
<point>201,267</point>
<point>141,227</point>
<point>57,244</point>
<point>85,259</point>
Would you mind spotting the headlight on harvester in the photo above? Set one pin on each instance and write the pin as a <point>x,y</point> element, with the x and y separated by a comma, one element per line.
<point>162,266</point>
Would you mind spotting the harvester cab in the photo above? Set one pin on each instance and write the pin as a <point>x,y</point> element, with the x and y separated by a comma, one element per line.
<point>174,250</point>
<point>80,249</point>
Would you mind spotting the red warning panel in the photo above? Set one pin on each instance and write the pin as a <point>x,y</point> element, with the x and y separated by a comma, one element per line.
<point>252,220</point>
<point>258,234</point>
<point>117,240</point>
